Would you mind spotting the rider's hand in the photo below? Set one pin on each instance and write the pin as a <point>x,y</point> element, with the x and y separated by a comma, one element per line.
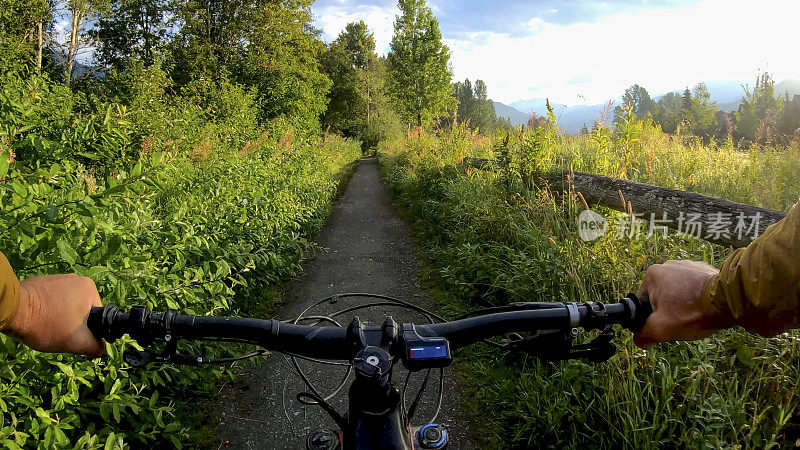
<point>52,315</point>
<point>675,289</point>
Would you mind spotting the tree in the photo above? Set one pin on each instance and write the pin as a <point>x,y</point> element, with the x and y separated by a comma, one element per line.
<point>360,43</point>
<point>214,35</point>
<point>81,15</point>
<point>668,112</point>
<point>700,117</point>
<point>23,26</point>
<point>133,29</point>
<point>474,105</point>
<point>789,123</point>
<point>358,104</point>
<point>281,61</point>
<point>759,111</point>
<point>418,63</point>
<point>267,46</point>
<point>686,107</point>
<point>638,99</point>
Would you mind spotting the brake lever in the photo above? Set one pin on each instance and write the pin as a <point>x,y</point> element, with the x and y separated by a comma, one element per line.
<point>140,358</point>
<point>557,345</point>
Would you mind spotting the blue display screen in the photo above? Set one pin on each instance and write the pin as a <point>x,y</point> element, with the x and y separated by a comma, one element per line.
<point>429,351</point>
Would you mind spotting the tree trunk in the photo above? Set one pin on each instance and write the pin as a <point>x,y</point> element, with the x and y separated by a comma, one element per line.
<point>77,12</point>
<point>713,219</point>
<point>39,46</point>
<point>369,102</point>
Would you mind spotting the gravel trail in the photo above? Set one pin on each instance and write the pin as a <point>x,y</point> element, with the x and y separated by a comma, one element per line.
<point>365,247</point>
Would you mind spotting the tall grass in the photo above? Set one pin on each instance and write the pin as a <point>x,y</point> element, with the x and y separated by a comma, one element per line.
<point>492,238</point>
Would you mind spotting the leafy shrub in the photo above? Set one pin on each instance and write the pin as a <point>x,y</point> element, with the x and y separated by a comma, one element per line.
<point>200,237</point>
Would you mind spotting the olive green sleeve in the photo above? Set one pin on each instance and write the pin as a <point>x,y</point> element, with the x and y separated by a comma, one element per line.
<point>760,284</point>
<point>9,292</point>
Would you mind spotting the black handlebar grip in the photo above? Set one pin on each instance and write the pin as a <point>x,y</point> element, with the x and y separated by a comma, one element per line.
<point>95,320</point>
<point>101,322</point>
<point>639,308</point>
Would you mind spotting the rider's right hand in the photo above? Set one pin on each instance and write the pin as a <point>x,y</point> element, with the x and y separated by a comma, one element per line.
<point>680,311</point>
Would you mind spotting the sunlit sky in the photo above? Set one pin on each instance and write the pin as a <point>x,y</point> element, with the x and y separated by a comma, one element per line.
<point>586,52</point>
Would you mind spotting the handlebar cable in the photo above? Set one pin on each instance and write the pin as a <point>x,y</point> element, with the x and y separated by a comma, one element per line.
<point>338,418</point>
<point>413,408</point>
<point>387,301</point>
<point>441,396</point>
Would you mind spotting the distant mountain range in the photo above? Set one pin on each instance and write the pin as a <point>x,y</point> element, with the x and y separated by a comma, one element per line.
<point>727,94</point>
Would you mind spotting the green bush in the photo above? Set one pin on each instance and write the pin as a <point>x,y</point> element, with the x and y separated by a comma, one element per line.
<point>167,232</point>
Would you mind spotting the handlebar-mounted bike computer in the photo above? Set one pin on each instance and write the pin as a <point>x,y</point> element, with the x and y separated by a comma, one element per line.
<point>424,352</point>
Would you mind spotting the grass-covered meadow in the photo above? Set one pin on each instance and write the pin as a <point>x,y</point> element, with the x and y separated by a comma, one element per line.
<point>494,237</point>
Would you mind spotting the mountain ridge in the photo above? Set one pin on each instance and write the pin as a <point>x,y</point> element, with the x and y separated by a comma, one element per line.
<point>727,93</point>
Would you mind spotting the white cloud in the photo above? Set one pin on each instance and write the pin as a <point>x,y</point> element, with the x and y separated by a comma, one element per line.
<point>332,20</point>
<point>661,49</point>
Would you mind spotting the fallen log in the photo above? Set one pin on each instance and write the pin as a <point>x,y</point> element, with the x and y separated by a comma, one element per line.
<point>713,219</point>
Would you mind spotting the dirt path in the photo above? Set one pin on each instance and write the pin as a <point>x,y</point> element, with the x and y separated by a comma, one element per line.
<point>365,247</point>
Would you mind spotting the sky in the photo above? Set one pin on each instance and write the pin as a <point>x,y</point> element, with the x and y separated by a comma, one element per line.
<point>587,52</point>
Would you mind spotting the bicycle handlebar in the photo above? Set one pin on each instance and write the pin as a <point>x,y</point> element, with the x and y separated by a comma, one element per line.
<point>110,323</point>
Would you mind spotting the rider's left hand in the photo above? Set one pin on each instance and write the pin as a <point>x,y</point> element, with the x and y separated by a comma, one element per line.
<point>52,315</point>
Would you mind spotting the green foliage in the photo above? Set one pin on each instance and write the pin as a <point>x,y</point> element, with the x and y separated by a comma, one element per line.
<point>132,29</point>
<point>419,65</point>
<point>204,238</point>
<point>359,104</point>
<point>638,100</point>
<point>194,187</point>
<point>491,239</point>
<point>42,122</point>
<point>668,112</point>
<point>759,112</point>
<point>700,115</point>
<point>629,140</point>
<point>19,20</point>
<point>474,105</point>
<point>266,46</point>
<point>789,124</point>
<point>692,113</point>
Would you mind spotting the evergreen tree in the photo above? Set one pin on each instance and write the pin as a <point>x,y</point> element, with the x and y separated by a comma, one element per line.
<point>668,112</point>
<point>474,105</point>
<point>686,107</point>
<point>789,123</point>
<point>418,63</point>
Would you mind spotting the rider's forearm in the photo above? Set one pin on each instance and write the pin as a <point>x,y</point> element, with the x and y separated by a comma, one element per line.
<point>760,284</point>
<point>9,292</point>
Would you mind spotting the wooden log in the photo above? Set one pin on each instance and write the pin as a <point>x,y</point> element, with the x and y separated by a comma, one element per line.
<point>714,219</point>
<point>481,163</point>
